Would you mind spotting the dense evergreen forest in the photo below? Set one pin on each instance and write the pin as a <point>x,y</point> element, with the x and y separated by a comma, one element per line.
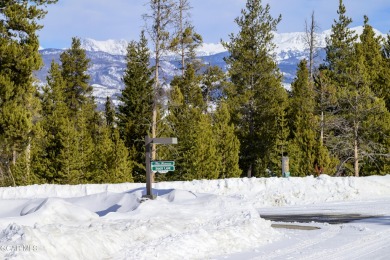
<point>335,119</point>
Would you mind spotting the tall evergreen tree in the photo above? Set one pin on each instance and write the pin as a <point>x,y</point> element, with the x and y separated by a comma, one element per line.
<point>112,160</point>
<point>73,131</point>
<point>213,85</point>
<point>109,113</point>
<point>227,143</point>
<point>339,46</point>
<point>190,88</point>
<point>384,90</point>
<point>55,114</point>
<point>303,122</point>
<point>356,71</point>
<point>256,95</point>
<point>19,58</point>
<point>74,64</point>
<point>362,115</point>
<point>334,82</point>
<point>372,51</point>
<point>196,153</point>
<point>373,48</point>
<point>82,107</point>
<point>135,110</point>
<point>326,102</point>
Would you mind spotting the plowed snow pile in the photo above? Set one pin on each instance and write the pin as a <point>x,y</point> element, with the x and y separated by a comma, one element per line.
<point>189,220</point>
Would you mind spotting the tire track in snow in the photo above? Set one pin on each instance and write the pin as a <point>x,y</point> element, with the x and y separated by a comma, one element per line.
<point>358,249</point>
<point>284,253</point>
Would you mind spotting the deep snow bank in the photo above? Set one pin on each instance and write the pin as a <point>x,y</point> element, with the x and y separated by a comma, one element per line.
<point>188,220</point>
<point>269,191</point>
<point>179,224</point>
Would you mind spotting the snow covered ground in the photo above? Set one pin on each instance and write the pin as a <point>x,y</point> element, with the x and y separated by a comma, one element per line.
<point>217,219</point>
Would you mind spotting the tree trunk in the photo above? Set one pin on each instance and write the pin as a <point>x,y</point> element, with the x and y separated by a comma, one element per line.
<point>356,149</point>
<point>13,156</point>
<point>311,41</point>
<point>311,62</point>
<point>13,163</point>
<point>156,75</point>
<point>181,29</point>
<point>356,159</point>
<point>250,171</point>
<point>322,129</point>
<point>28,160</point>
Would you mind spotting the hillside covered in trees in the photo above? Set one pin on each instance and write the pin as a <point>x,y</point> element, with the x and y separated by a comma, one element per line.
<point>335,120</point>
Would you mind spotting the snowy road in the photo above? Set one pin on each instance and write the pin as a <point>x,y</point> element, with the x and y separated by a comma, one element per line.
<point>367,238</point>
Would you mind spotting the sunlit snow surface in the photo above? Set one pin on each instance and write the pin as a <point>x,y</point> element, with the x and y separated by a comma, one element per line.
<point>218,219</point>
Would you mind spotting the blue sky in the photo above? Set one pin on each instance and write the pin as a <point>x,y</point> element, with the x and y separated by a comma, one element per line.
<point>213,19</point>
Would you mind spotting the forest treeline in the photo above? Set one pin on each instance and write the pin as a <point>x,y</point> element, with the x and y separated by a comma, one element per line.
<point>334,120</point>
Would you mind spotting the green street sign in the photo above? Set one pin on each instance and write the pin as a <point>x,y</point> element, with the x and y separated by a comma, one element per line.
<point>163,169</point>
<point>163,163</point>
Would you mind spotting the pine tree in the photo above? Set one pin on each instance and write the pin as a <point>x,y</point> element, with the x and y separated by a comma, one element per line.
<point>377,65</point>
<point>326,103</point>
<point>213,83</point>
<point>190,88</point>
<point>55,113</point>
<point>185,40</point>
<point>196,153</point>
<point>177,122</point>
<point>376,62</point>
<point>70,159</point>
<point>202,156</point>
<point>303,121</point>
<point>19,59</point>
<point>135,110</point>
<point>372,51</point>
<point>339,46</point>
<point>83,115</point>
<point>227,143</point>
<point>73,133</point>
<point>356,71</point>
<point>335,84</point>
<point>74,65</point>
<point>256,96</point>
<point>109,113</point>
<point>112,161</point>
<point>281,146</point>
<point>384,90</point>
<point>361,130</point>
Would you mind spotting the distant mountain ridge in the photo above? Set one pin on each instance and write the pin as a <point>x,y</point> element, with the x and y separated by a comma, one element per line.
<point>108,59</point>
<point>294,41</point>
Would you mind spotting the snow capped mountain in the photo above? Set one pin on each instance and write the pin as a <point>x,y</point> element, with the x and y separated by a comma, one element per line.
<point>118,47</point>
<point>294,41</point>
<point>208,49</point>
<point>108,59</point>
<point>114,47</point>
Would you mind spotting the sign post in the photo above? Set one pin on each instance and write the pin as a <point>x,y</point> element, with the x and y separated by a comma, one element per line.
<point>156,166</point>
<point>163,166</point>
